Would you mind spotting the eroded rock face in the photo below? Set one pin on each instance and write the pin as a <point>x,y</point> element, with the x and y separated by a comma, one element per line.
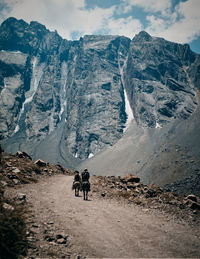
<point>73,92</point>
<point>95,108</point>
<point>159,80</point>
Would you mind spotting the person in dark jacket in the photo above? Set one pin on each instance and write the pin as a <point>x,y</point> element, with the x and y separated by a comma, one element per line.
<point>77,178</point>
<point>85,175</point>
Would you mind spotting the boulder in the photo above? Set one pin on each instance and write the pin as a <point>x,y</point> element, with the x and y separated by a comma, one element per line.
<point>150,193</point>
<point>21,196</point>
<point>16,181</point>
<point>191,197</point>
<point>23,155</point>
<point>7,206</point>
<point>8,164</point>
<point>40,162</point>
<point>194,206</point>
<point>16,170</point>
<point>61,239</point>
<point>13,175</point>
<point>132,178</point>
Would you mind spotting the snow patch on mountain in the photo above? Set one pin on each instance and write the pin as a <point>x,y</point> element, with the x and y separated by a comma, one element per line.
<point>90,155</point>
<point>37,71</point>
<point>13,57</point>
<point>128,109</point>
<point>64,78</point>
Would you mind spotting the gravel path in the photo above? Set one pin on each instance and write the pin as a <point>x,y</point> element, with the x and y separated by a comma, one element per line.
<point>64,226</point>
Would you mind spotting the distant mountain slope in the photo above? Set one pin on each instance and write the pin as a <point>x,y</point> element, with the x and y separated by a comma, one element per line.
<point>156,155</point>
<point>66,101</point>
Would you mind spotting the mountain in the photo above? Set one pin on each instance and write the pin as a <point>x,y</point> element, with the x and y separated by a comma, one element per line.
<point>104,102</point>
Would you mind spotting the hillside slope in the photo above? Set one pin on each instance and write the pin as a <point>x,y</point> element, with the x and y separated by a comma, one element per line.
<point>157,155</point>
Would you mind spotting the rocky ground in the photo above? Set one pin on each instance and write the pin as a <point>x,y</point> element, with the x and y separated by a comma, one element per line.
<point>130,189</point>
<point>123,217</point>
<point>20,169</point>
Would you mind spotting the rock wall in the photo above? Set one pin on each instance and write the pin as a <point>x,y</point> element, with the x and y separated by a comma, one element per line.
<point>69,96</point>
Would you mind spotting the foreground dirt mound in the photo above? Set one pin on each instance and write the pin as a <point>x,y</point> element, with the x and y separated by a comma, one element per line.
<point>16,170</point>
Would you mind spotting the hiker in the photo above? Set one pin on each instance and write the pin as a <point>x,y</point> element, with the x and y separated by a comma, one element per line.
<point>85,175</point>
<point>77,178</point>
<point>77,184</point>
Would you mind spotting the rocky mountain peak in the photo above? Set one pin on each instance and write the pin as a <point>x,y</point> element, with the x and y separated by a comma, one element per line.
<point>71,97</point>
<point>142,36</point>
<point>37,26</point>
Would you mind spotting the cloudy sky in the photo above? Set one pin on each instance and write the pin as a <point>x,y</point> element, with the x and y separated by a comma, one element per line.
<point>174,20</point>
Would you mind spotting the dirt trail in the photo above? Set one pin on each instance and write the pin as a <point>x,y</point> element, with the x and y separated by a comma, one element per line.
<point>103,228</point>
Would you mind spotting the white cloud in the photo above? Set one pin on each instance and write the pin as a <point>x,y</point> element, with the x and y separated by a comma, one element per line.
<point>183,30</point>
<point>156,25</point>
<point>125,26</point>
<point>65,16</point>
<point>152,5</point>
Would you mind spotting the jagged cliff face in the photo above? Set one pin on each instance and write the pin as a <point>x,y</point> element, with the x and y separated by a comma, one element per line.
<point>159,80</point>
<point>70,95</point>
<point>47,80</point>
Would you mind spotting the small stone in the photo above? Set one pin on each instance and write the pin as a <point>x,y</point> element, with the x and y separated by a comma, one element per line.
<point>8,164</point>
<point>50,222</point>
<point>34,225</point>
<point>194,206</point>
<point>15,181</point>
<point>34,230</point>
<point>23,155</point>
<point>132,178</point>
<point>7,206</point>
<point>61,241</point>
<point>16,170</point>
<point>103,194</point>
<point>21,196</point>
<point>150,193</point>
<point>49,238</point>
<point>3,183</point>
<point>130,186</point>
<point>191,197</point>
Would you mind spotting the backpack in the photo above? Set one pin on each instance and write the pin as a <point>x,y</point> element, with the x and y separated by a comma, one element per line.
<point>77,177</point>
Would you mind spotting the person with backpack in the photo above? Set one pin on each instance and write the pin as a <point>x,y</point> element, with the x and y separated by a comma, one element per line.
<point>85,175</point>
<point>77,178</point>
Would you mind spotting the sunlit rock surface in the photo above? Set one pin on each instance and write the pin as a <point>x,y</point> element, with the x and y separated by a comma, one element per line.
<point>67,101</point>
